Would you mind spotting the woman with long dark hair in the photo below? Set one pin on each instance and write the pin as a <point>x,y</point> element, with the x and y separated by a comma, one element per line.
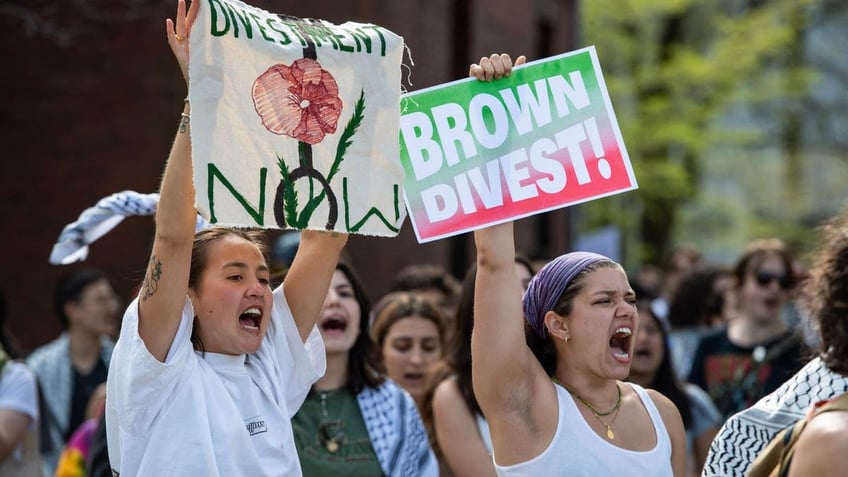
<point>355,421</point>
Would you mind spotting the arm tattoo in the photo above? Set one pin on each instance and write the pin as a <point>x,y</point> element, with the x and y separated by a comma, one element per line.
<point>184,122</point>
<point>151,280</point>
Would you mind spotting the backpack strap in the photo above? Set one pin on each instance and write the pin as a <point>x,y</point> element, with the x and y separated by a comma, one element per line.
<point>839,403</point>
<point>789,440</point>
<point>775,458</point>
<point>770,461</point>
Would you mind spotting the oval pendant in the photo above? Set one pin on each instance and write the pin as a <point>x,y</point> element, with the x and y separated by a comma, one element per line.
<point>332,446</point>
<point>610,434</point>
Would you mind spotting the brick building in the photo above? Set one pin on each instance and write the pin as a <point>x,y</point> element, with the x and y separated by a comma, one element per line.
<point>91,97</point>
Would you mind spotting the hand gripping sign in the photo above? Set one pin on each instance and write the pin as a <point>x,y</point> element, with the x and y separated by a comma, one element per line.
<point>295,121</point>
<point>480,153</point>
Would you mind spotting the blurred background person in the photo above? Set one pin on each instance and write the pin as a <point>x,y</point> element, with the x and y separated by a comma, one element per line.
<point>523,267</point>
<point>409,338</point>
<point>676,265</point>
<point>75,456</point>
<point>461,437</point>
<point>758,350</point>
<point>19,419</point>
<point>355,422</point>
<point>653,368</point>
<point>700,305</point>
<point>71,367</point>
<point>283,249</point>
<point>824,377</point>
<point>460,433</point>
<point>434,283</point>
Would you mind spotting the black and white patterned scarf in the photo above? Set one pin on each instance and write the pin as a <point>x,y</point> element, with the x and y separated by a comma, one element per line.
<point>746,433</point>
<point>98,220</point>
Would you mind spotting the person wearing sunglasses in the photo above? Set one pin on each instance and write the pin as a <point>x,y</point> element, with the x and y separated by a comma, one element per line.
<point>825,377</point>
<point>758,349</point>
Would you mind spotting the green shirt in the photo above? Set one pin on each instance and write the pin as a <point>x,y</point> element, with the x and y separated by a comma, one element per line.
<point>331,437</point>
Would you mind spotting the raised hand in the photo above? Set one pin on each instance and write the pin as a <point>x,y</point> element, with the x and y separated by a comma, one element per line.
<point>178,32</point>
<point>494,67</point>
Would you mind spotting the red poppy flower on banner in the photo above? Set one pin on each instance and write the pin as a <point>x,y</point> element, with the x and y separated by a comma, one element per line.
<point>301,100</point>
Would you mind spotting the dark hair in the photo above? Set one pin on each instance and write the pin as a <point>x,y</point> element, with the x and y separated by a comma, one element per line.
<point>755,254</point>
<point>665,379</point>
<point>456,360</point>
<point>5,345</point>
<point>200,259</point>
<point>827,291</point>
<point>459,354</point>
<point>695,300</point>
<point>362,370</point>
<point>642,292</point>
<point>396,306</point>
<point>525,262</point>
<point>543,348</point>
<point>70,287</point>
<point>426,276</point>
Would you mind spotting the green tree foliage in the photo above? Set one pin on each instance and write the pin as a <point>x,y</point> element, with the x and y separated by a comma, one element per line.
<point>672,67</point>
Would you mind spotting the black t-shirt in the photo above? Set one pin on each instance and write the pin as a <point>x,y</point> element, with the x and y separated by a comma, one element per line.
<point>736,377</point>
<point>97,464</point>
<point>84,386</point>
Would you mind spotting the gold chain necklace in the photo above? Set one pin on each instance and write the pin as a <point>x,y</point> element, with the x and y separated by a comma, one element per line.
<point>598,414</point>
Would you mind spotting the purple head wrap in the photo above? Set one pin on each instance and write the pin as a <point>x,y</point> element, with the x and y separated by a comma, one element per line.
<point>547,286</point>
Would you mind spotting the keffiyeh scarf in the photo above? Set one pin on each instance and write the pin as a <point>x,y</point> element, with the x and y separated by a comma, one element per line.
<point>98,220</point>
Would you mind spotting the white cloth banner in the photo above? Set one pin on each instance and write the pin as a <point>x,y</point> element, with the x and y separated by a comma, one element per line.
<point>295,121</point>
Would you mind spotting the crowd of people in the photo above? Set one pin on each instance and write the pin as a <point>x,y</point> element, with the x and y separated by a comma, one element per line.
<point>234,359</point>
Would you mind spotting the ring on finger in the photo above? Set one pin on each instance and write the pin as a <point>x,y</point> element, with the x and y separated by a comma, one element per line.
<point>178,37</point>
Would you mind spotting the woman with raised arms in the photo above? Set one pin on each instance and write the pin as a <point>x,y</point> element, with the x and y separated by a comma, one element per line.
<point>211,363</point>
<point>554,399</point>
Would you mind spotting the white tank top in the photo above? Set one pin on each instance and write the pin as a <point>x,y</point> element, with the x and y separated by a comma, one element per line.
<point>576,450</point>
<point>485,435</point>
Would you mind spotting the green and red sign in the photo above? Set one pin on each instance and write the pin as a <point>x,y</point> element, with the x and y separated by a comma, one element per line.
<point>479,153</point>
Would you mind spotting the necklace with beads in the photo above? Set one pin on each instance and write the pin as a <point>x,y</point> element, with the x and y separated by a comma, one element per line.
<point>598,414</point>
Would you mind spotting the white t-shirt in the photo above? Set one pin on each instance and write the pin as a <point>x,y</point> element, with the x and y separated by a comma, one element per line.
<point>212,415</point>
<point>577,451</point>
<point>18,392</point>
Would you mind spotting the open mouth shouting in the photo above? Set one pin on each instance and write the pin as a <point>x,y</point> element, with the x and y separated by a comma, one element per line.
<point>333,325</point>
<point>620,344</point>
<point>250,319</point>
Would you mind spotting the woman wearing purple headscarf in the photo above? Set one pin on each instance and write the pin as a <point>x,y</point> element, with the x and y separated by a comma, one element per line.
<point>554,399</point>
